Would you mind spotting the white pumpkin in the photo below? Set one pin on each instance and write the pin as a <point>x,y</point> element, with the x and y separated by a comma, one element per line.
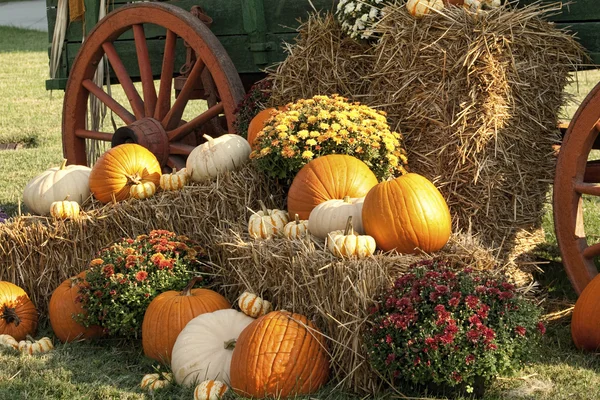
<point>210,390</point>
<point>332,215</point>
<point>420,8</point>
<point>266,223</point>
<point>55,184</point>
<point>31,346</point>
<point>218,155</point>
<point>204,347</point>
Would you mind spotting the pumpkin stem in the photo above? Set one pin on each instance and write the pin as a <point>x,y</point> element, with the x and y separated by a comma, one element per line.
<point>63,165</point>
<point>346,199</point>
<point>349,230</point>
<point>263,207</point>
<point>230,344</point>
<point>209,139</point>
<point>187,291</point>
<point>297,219</point>
<point>10,316</point>
<point>134,179</point>
<point>174,170</point>
<point>31,339</point>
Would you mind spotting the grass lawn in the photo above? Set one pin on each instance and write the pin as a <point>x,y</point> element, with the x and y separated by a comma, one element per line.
<point>113,369</point>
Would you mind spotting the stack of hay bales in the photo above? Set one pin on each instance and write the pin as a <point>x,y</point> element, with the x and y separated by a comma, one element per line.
<point>476,96</point>
<point>38,253</point>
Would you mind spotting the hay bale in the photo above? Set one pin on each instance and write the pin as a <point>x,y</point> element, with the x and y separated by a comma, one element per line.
<point>301,276</point>
<point>476,96</point>
<point>38,253</point>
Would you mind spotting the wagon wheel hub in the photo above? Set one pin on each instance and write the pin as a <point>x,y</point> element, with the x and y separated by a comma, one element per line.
<point>146,132</point>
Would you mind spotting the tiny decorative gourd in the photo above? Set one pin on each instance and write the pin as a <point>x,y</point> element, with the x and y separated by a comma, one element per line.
<point>154,381</point>
<point>265,223</point>
<point>175,180</point>
<point>295,229</point>
<point>8,341</point>
<point>142,190</point>
<point>253,305</point>
<point>420,8</point>
<point>348,244</point>
<point>210,390</point>
<point>65,209</point>
<point>32,346</point>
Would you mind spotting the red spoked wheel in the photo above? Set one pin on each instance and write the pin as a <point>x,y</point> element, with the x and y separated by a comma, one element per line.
<point>151,118</point>
<point>576,182</point>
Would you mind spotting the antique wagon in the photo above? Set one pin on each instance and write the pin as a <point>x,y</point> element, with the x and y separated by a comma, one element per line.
<point>214,49</point>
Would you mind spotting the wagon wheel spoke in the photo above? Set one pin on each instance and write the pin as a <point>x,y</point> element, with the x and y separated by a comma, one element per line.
<point>163,103</point>
<point>185,129</point>
<point>111,103</point>
<point>85,134</point>
<point>145,66</point>
<point>173,117</point>
<point>592,251</point>
<point>124,79</point>
<point>180,148</point>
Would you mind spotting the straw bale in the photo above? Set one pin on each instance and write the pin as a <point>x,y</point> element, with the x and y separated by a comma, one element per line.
<point>476,96</point>
<point>301,276</point>
<point>38,253</point>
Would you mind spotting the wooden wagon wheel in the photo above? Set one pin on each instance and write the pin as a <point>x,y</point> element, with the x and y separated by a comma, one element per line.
<point>153,122</point>
<point>575,177</point>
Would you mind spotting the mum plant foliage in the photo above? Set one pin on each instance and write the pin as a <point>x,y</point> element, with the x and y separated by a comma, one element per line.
<point>125,277</point>
<point>451,327</point>
<point>253,102</point>
<point>323,125</point>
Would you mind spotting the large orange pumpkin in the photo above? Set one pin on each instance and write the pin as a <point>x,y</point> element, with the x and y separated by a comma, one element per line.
<point>407,213</point>
<point>169,313</point>
<point>585,324</point>
<point>258,122</point>
<point>280,354</point>
<point>330,177</point>
<point>64,307</point>
<point>18,316</point>
<point>120,168</point>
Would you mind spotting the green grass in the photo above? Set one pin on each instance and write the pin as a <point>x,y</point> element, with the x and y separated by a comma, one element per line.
<point>113,369</point>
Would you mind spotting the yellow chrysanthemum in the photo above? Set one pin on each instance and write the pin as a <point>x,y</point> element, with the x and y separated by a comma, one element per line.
<point>264,151</point>
<point>314,134</point>
<point>311,142</point>
<point>303,134</point>
<point>311,119</point>
<point>307,154</point>
<point>282,135</point>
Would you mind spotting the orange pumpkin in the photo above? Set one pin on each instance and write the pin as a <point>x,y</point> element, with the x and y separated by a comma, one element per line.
<point>280,354</point>
<point>120,168</point>
<point>258,122</point>
<point>334,176</point>
<point>407,213</point>
<point>169,313</point>
<point>64,307</point>
<point>585,324</point>
<point>18,316</point>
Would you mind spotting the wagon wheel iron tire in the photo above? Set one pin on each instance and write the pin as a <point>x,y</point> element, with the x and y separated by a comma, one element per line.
<point>576,176</point>
<point>153,122</point>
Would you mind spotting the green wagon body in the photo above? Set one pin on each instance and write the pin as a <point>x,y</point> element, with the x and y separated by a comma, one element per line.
<point>251,31</point>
